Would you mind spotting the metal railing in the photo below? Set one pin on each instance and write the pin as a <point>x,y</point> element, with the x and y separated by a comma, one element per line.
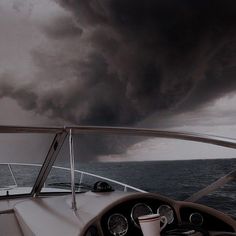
<point>202,138</point>
<point>82,175</point>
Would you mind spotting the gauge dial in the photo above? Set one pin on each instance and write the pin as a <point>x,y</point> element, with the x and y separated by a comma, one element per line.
<point>117,224</point>
<point>140,209</point>
<point>165,210</point>
<point>196,219</point>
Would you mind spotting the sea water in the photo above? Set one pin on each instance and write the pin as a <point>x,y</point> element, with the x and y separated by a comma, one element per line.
<point>174,179</point>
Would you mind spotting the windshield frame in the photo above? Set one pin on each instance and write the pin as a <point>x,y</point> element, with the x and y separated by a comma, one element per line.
<point>62,132</point>
<point>48,160</point>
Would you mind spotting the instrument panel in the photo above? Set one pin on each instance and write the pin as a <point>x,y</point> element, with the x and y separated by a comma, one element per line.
<point>122,220</point>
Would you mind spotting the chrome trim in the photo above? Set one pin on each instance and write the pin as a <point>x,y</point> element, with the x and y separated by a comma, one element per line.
<point>198,214</point>
<point>216,140</point>
<point>30,129</point>
<point>72,172</point>
<point>126,221</point>
<point>132,210</point>
<point>164,215</point>
<point>12,175</point>
<point>204,138</point>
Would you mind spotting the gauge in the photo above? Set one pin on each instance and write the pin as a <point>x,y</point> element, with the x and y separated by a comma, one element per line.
<point>167,211</point>
<point>196,219</point>
<point>117,224</point>
<point>140,209</point>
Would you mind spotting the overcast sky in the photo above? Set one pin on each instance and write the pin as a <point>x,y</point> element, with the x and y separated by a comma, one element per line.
<point>157,63</point>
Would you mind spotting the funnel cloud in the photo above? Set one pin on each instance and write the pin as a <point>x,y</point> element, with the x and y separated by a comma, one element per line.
<point>117,62</point>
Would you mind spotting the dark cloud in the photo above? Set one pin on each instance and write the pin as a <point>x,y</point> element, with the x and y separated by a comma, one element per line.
<point>168,54</point>
<point>61,27</point>
<point>117,62</point>
<point>23,95</point>
<point>140,57</point>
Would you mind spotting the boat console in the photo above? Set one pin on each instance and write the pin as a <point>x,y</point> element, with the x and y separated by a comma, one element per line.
<point>112,213</point>
<point>121,217</point>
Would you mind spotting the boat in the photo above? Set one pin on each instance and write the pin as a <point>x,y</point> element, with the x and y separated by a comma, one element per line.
<point>39,196</point>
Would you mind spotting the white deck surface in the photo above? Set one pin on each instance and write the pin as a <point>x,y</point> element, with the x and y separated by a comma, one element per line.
<point>54,216</point>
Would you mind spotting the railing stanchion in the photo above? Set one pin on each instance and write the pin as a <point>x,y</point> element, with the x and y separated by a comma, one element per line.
<point>13,177</point>
<point>81,180</point>
<point>72,171</point>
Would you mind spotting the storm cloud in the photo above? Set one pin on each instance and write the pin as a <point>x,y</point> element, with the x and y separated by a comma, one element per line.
<point>117,62</point>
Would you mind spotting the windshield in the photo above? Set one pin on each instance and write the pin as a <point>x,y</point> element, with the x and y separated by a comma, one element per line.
<point>21,158</point>
<point>171,167</point>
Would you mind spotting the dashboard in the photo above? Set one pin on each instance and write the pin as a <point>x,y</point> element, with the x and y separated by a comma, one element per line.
<point>121,217</point>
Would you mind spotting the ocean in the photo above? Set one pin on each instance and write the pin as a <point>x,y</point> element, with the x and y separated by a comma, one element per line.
<point>174,179</point>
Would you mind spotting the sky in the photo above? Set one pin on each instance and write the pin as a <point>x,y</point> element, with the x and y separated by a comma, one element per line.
<point>157,64</point>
